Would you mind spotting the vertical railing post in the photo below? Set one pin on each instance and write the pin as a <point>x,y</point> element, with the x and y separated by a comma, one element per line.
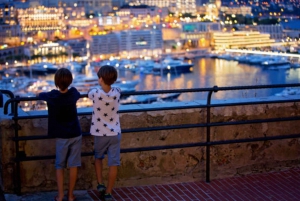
<point>11,95</point>
<point>17,179</point>
<point>215,89</point>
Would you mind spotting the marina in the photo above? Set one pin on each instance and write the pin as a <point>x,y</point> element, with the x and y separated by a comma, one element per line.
<point>221,70</point>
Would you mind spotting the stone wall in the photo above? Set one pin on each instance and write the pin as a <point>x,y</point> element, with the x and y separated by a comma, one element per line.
<point>163,166</point>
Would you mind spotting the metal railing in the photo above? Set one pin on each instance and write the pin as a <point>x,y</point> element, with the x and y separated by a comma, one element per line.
<point>20,156</point>
<point>6,92</point>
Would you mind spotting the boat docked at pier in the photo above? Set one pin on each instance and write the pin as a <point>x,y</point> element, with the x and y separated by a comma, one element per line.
<point>170,65</point>
<point>276,62</point>
<point>149,98</point>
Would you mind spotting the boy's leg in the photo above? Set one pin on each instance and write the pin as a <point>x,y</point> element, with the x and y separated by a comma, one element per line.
<point>112,175</point>
<point>113,162</point>
<point>60,183</point>
<point>98,169</point>
<point>72,182</point>
<point>74,161</point>
<point>100,146</point>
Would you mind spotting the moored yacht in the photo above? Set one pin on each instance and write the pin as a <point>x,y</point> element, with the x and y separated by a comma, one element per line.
<point>169,65</point>
<point>257,59</point>
<point>276,62</point>
<point>149,98</point>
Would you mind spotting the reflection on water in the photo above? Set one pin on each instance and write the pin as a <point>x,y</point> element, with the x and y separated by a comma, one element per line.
<point>217,72</point>
<point>213,72</point>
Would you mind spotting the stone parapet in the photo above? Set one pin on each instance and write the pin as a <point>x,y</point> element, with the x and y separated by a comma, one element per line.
<point>163,166</point>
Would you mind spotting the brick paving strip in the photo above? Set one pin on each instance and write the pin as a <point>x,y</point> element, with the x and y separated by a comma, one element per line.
<point>283,185</point>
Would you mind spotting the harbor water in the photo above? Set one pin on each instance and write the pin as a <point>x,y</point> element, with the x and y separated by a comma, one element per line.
<point>208,72</point>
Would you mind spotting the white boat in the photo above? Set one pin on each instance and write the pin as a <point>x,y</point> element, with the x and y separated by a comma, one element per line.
<point>145,66</point>
<point>40,86</point>
<point>276,62</point>
<point>257,60</point>
<point>149,98</point>
<point>15,84</point>
<point>169,65</point>
<point>139,99</point>
<point>289,92</point>
<point>126,83</point>
<point>243,59</point>
<point>295,65</point>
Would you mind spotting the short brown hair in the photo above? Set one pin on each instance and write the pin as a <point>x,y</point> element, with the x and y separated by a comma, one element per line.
<point>108,73</point>
<point>63,78</point>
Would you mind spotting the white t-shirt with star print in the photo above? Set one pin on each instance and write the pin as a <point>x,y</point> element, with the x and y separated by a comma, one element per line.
<point>105,116</point>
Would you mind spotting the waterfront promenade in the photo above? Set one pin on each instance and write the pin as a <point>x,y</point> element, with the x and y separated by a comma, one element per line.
<point>278,186</point>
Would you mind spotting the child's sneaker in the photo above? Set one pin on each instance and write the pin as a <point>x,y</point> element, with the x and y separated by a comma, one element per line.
<point>108,197</point>
<point>101,189</point>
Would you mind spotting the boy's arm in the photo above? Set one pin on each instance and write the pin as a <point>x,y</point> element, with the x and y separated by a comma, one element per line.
<point>90,93</point>
<point>42,96</point>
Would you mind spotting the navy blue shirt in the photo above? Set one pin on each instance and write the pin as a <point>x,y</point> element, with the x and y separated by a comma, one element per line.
<point>62,113</point>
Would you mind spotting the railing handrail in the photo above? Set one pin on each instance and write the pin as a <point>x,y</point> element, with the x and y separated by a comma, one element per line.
<point>20,155</point>
<point>211,89</point>
<point>9,93</point>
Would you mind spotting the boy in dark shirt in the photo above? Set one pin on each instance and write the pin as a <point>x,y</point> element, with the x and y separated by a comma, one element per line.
<point>63,124</point>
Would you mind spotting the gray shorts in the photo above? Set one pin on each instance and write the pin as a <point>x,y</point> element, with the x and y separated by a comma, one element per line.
<point>68,152</point>
<point>111,145</point>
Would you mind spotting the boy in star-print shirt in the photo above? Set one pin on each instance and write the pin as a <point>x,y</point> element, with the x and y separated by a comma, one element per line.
<point>105,127</point>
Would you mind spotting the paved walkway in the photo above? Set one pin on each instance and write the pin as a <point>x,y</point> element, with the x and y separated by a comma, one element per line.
<point>277,186</point>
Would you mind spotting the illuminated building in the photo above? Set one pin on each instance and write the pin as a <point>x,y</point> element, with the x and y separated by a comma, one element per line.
<point>74,12</point>
<point>50,52</point>
<point>130,43</point>
<point>200,26</point>
<point>198,34</point>
<point>200,39</point>
<point>105,45</point>
<point>109,20</point>
<point>138,11</point>
<point>201,9</point>
<point>241,39</point>
<point>10,34</point>
<point>236,10</point>
<point>77,46</point>
<point>77,23</point>
<point>141,14</point>
<point>217,3</point>
<point>212,11</point>
<point>8,14</point>
<point>49,49</point>
<point>91,6</point>
<point>46,22</point>
<point>135,43</point>
<point>176,6</point>
<point>8,53</point>
<point>276,31</point>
